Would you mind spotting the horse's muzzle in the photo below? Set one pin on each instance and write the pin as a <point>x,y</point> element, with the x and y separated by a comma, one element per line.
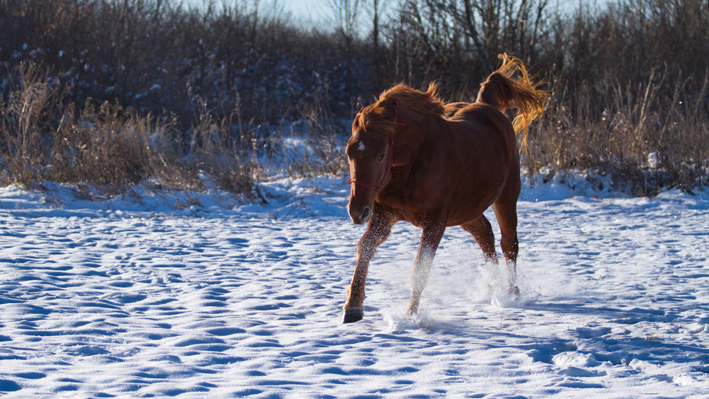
<point>360,217</point>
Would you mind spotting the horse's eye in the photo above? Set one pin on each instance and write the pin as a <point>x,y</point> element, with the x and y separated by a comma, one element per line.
<point>381,157</point>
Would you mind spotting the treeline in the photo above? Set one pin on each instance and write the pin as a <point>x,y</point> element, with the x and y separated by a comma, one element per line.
<point>155,55</point>
<point>628,77</point>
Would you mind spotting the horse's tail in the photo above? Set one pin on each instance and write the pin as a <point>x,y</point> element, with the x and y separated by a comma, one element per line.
<point>501,91</point>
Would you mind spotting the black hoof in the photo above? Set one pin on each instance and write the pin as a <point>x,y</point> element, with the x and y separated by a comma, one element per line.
<point>352,315</point>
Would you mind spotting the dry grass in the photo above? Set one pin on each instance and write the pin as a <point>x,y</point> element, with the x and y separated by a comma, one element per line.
<point>111,148</point>
<point>26,119</point>
<point>324,150</point>
<point>643,141</point>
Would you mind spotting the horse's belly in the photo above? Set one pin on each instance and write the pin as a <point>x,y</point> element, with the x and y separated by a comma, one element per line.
<point>464,210</point>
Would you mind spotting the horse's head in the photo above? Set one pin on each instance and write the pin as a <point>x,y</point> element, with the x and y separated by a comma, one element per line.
<point>370,150</point>
<point>369,154</point>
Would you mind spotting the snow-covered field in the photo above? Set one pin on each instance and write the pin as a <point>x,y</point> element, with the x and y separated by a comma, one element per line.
<point>195,297</point>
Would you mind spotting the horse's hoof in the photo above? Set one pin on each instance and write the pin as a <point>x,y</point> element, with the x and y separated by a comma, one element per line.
<point>514,292</point>
<point>352,315</point>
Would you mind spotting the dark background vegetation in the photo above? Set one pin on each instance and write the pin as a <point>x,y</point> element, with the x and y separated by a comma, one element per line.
<point>110,93</point>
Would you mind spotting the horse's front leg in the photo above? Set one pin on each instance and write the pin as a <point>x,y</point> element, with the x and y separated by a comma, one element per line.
<point>377,232</point>
<point>430,239</point>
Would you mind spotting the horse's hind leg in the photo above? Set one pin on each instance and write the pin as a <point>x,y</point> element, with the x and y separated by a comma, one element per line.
<point>481,230</point>
<point>505,208</point>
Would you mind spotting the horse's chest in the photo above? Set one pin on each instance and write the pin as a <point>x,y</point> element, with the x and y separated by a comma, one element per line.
<point>413,204</point>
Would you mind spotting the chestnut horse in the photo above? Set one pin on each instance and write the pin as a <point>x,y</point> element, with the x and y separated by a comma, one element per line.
<point>414,158</point>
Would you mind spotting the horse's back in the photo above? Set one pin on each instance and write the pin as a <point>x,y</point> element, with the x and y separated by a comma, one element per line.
<point>484,114</point>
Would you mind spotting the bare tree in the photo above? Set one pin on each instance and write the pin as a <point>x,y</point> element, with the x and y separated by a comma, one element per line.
<point>345,18</point>
<point>490,26</point>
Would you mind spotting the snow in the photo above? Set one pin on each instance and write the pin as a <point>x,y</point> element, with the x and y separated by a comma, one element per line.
<point>198,295</point>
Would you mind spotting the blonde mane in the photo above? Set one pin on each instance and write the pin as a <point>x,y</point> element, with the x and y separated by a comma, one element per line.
<point>381,115</point>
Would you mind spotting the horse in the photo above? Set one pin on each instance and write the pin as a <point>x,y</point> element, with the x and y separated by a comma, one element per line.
<point>415,158</point>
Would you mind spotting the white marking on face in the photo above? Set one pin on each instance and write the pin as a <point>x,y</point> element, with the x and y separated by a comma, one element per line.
<point>361,146</point>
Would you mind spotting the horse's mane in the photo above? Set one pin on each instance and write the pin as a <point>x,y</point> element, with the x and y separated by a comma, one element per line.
<point>500,90</point>
<point>381,115</point>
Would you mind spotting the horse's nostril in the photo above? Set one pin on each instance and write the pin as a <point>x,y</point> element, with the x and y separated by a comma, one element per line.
<point>365,214</point>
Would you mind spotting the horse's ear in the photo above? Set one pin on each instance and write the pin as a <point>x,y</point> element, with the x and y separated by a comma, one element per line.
<point>391,109</point>
<point>358,121</point>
